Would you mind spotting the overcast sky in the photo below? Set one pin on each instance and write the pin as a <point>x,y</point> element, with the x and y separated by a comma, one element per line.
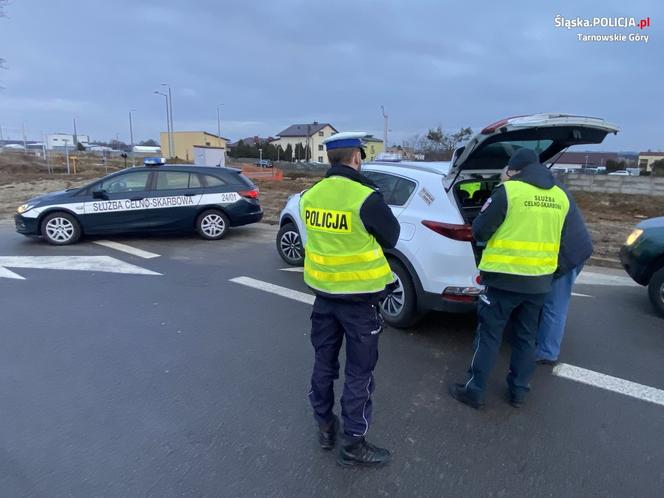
<point>275,63</point>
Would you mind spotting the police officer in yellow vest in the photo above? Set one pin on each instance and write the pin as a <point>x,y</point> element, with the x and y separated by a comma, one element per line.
<point>347,223</point>
<point>521,224</point>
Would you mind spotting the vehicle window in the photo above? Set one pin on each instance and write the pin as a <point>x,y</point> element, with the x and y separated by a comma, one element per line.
<point>402,192</point>
<point>128,182</point>
<point>395,190</point>
<point>195,181</point>
<point>214,181</point>
<point>172,180</point>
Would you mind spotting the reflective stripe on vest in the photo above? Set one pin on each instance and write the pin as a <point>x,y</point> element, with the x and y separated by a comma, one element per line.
<point>340,256</point>
<point>528,241</point>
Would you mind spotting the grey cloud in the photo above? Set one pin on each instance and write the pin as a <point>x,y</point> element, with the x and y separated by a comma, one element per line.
<point>275,63</point>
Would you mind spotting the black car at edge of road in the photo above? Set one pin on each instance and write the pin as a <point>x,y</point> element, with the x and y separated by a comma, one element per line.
<point>642,256</point>
<point>153,198</point>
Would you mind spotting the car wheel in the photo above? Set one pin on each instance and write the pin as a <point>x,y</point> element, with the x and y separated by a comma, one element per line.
<point>289,245</point>
<point>212,224</point>
<point>399,308</point>
<point>60,229</point>
<point>656,290</point>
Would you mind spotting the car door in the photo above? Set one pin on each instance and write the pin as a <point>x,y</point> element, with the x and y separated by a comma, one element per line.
<point>175,199</point>
<point>120,203</point>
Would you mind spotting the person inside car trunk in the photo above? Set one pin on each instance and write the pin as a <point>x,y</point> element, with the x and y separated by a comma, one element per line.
<point>521,225</point>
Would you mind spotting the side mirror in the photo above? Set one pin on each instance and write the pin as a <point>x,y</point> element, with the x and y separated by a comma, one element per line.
<point>99,194</point>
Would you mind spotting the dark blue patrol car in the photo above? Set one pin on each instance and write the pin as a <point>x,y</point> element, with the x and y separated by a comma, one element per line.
<point>155,197</point>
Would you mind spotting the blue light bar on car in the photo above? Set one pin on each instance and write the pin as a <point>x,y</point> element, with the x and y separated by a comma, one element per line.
<point>154,161</point>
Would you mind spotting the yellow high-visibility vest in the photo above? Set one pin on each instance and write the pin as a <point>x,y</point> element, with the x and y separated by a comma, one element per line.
<point>340,256</point>
<point>528,241</point>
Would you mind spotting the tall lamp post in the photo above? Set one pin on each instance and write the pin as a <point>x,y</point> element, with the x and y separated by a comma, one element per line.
<point>168,124</point>
<point>131,138</point>
<point>170,113</point>
<point>219,121</point>
<point>385,127</point>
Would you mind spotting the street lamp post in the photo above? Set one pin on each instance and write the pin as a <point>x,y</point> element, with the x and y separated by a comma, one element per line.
<point>131,139</point>
<point>67,154</point>
<point>385,127</point>
<point>219,121</point>
<point>170,113</point>
<point>260,157</point>
<point>168,124</point>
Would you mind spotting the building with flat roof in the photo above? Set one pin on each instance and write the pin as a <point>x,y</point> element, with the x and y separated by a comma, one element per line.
<point>647,158</point>
<point>184,142</point>
<point>59,140</point>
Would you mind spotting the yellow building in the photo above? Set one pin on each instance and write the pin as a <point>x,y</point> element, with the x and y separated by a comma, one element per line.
<point>374,147</point>
<point>184,141</point>
<point>647,158</point>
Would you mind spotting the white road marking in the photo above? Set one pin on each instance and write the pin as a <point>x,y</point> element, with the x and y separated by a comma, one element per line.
<point>78,263</point>
<point>128,249</point>
<point>589,278</point>
<point>580,295</point>
<point>302,297</point>
<point>610,383</point>
<point>5,273</point>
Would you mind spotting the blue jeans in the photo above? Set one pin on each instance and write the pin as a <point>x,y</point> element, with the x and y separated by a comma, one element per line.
<point>554,315</point>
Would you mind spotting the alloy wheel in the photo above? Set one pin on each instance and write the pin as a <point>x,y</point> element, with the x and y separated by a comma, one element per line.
<point>213,225</point>
<point>60,229</point>
<point>393,304</point>
<point>291,245</point>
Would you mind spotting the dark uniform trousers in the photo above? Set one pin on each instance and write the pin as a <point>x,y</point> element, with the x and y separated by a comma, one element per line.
<point>361,324</point>
<point>496,308</point>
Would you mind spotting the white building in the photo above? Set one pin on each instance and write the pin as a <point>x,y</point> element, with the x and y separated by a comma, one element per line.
<point>58,140</point>
<point>311,134</point>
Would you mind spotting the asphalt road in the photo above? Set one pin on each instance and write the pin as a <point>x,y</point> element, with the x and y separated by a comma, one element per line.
<point>186,384</point>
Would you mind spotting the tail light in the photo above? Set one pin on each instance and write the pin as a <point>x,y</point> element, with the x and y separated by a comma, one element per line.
<point>488,130</point>
<point>453,231</point>
<point>249,194</point>
<point>461,294</point>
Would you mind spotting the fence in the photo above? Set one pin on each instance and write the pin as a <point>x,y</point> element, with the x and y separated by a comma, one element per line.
<point>643,185</point>
<point>262,173</point>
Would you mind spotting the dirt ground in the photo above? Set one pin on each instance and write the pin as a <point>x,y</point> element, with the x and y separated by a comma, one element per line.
<point>610,217</point>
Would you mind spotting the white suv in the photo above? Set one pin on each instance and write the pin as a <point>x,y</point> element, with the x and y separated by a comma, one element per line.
<point>435,260</point>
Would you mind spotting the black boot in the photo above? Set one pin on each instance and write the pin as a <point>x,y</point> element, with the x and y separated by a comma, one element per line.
<point>363,454</point>
<point>517,401</point>
<point>327,435</point>
<point>460,393</point>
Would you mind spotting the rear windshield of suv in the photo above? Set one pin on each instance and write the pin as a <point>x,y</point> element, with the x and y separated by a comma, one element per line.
<point>496,155</point>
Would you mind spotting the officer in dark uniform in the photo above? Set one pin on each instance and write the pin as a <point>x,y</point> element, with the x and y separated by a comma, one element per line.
<point>522,224</point>
<point>347,224</point>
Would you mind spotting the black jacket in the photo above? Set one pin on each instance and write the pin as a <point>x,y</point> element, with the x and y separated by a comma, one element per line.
<point>376,217</point>
<point>571,250</point>
<point>576,245</point>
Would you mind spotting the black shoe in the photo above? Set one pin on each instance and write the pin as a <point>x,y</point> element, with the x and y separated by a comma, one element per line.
<point>327,436</point>
<point>544,361</point>
<point>363,454</point>
<point>460,393</point>
<point>514,400</point>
